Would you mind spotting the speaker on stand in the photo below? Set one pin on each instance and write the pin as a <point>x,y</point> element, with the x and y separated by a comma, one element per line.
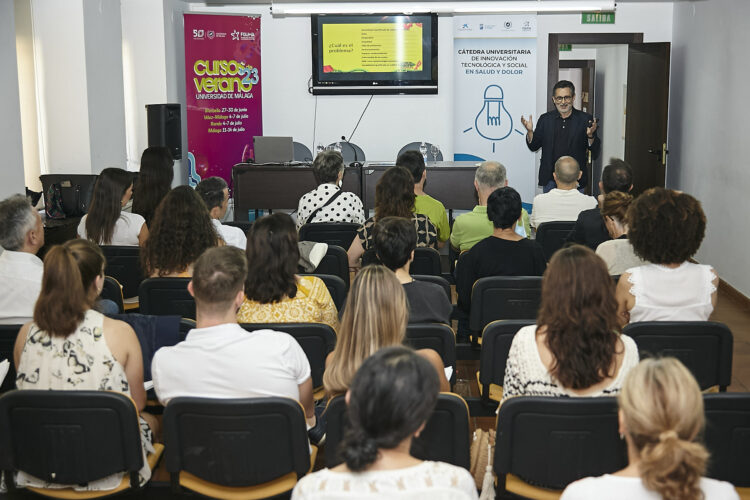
<point>165,127</point>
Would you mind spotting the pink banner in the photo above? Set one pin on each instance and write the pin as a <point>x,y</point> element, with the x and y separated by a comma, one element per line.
<point>223,83</point>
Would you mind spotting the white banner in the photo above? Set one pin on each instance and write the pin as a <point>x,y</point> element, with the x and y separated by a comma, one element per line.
<point>495,83</point>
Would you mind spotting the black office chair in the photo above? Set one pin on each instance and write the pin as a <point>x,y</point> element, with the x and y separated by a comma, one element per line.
<point>414,146</point>
<point>166,297</point>
<point>445,438</point>
<point>496,340</point>
<point>124,265</point>
<point>552,235</point>
<point>71,437</point>
<point>704,347</point>
<point>727,438</point>
<point>350,151</point>
<point>186,324</point>
<point>438,280</point>
<point>236,448</point>
<point>302,152</point>
<point>335,262</point>
<point>336,287</point>
<point>8,335</point>
<point>316,339</point>
<point>438,337</point>
<point>426,261</point>
<point>112,290</point>
<point>244,225</point>
<point>333,233</point>
<point>545,443</point>
<point>504,297</point>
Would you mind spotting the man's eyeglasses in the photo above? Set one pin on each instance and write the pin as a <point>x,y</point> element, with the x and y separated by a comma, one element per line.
<point>563,98</point>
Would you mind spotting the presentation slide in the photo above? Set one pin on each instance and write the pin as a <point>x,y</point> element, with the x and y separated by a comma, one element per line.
<point>372,48</point>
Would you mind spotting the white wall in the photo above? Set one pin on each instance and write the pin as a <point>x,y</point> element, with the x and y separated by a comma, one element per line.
<point>708,155</point>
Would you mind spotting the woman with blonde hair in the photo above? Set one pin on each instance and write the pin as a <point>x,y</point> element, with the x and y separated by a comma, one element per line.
<point>661,417</point>
<point>375,316</point>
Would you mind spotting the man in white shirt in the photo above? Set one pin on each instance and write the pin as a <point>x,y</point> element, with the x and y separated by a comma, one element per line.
<point>21,236</point>
<point>565,202</point>
<point>215,194</point>
<point>218,358</point>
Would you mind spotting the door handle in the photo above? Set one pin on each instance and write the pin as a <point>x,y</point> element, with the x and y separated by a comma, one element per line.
<point>663,153</point>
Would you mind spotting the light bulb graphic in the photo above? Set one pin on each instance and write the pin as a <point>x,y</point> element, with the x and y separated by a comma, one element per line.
<point>493,121</point>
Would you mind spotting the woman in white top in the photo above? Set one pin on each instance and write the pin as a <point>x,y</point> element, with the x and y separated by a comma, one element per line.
<point>392,395</point>
<point>661,416</point>
<point>666,229</point>
<point>106,223</point>
<point>617,253</point>
<point>576,348</point>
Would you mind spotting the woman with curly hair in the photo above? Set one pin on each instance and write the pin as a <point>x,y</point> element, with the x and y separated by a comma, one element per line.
<point>617,253</point>
<point>181,232</point>
<point>576,348</point>
<point>154,181</point>
<point>394,197</point>
<point>661,418</point>
<point>666,229</point>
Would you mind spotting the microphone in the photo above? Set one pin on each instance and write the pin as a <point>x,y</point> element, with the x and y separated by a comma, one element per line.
<point>343,138</point>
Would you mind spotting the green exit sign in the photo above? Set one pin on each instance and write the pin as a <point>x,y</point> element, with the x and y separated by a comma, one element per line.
<point>598,18</point>
<point>566,47</point>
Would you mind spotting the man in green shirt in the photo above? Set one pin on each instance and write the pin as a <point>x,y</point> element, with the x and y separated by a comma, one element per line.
<point>425,204</point>
<point>474,226</point>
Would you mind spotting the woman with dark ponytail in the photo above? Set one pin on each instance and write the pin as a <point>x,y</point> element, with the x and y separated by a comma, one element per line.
<point>70,346</point>
<point>661,417</point>
<point>391,397</point>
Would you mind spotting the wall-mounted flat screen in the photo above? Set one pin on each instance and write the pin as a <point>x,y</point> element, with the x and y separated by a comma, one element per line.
<point>374,54</point>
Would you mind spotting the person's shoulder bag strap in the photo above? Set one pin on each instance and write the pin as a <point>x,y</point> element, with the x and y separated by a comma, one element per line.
<point>330,200</point>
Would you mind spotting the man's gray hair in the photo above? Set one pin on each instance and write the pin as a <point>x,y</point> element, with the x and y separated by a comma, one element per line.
<point>16,220</point>
<point>567,169</point>
<point>490,174</point>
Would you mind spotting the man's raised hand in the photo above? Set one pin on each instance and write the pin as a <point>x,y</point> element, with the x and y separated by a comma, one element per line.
<point>529,124</point>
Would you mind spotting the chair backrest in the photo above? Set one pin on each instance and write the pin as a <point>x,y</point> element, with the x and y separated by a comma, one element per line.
<point>727,437</point>
<point>335,262</point>
<point>333,233</point>
<point>552,235</point>
<point>316,339</point>
<point>302,152</point>
<point>112,290</point>
<point>244,225</point>
<point>445,438</point>
<point>8,335</point>
<point>551,442</point>
<point>436,336</point>
<point>704,347</point>
<point>504,297</point>
<point>236,442</point>
<point>69,437</point>
<point>496,340</point>
<point>414,146</point>
<point>166,297</point>
<point>348,150</point>
<point>124,264</point>
<point>336,287</point>
<point>438,280</point>
<point>426,261</point>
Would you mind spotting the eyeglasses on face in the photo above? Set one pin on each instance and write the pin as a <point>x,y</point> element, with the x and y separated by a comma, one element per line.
<point>563,98</point>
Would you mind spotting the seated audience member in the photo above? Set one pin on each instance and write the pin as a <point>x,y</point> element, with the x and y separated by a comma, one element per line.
<point>181,232</point>
<point>474,226</point>
<point>70,346</point>
<point>215,194</point>
<point>617,253</point>
<point>666,228</point>
<point>392,396</point>
<point>394,197</point>
<point>106,223</point>
<point>273,292</point>
<point>327,202</point>
<point>424,203</point>
<point>21,236</point>
<point>505,253</point>
<point>395,241</point>
<point>576,348</point>
<point>661,419</point>
<point>154,181</point>
<point>253,364</point>
<point>565,202</point>
<point>375,316</point>
<point>590,229</point>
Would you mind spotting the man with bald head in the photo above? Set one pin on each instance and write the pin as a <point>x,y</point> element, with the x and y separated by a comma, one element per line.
<point>565,202</point>
<point>475,226</point>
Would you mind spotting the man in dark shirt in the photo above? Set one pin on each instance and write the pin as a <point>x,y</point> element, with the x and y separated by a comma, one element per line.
<point>589,229</point>
<point>565,131</point>
<point>395,240</point>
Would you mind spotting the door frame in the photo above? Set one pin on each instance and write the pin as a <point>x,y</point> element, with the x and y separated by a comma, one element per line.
<point>584,64</point>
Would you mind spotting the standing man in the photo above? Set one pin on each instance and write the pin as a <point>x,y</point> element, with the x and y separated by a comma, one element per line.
<point>563,132</point>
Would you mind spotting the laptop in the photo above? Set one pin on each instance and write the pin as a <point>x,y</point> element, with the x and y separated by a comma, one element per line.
<point>273,149</point>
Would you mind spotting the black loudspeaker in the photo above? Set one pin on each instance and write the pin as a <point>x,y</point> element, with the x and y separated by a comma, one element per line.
<point>165,127</point>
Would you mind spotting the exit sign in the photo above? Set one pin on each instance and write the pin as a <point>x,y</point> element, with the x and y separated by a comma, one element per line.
<point>566,47</point>
<point>598,18</point>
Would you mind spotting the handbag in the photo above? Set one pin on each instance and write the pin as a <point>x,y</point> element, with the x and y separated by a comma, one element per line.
<point>481,453</point>
<point>53,206</point>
